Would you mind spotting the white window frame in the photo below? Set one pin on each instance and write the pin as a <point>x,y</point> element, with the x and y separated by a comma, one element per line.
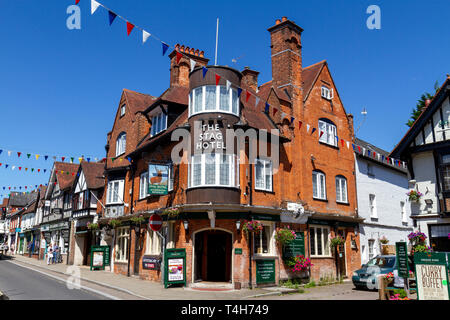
<point>265,174</point>
<point>122,110</point>
<point>319,187</point>
<point>373,206</point>
<point>121,247</point>
<point>121,144</point>
<point>329,133</point>
<point>170,179</point>
<point>341,194</point>
<point>326,93</point>
<point>143,185</point>
<point>371,252</point>
<point>153,245</point>
<point>110,191</point>
<point>233,172</point>
<point>231,93</point>
<point>270,240</point>
<point>403,211</point>
<point>156,127</point>
<point>324,241</point>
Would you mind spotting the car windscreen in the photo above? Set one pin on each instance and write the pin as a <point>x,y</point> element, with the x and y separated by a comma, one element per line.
<point>382,262</point>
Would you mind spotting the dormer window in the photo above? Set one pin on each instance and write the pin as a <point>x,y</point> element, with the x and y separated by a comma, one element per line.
<point>159,123</point>
<point>212,98</point>
<point>122,110</point>
<point>327,93</point>
<point>121,143</point>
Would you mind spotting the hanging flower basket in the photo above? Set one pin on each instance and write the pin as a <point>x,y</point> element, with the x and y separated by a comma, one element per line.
<point>384,240</point>
<point>299,263</point>
<point>414,196</point>
<point>138,220</point>
<point>114,223</point>
<point>285,235</point>
<point>417,238</point>
<point>92,226</point>
<point>252,226</point>
<point>172,212</point>
<point>336,241</point>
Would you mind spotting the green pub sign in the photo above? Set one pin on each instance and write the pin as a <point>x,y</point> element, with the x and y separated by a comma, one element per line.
<point>100,257</point>
<point>401,250</point>
<point>238,251</point>
<point>295,247</point>
<point>158,179</point>
<point>265,271</point>
<point>174,267</point>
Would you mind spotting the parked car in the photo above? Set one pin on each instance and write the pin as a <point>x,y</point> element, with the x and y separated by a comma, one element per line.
<point>367,276</point>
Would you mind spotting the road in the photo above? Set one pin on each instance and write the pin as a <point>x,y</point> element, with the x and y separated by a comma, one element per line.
<point>19,283</point>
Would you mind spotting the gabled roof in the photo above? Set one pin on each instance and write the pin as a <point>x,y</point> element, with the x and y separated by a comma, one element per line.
<point>93,173</point>
<point>421,121</point>
<point>65,180</point>
<point>19,199</point>
<point>4,203</point>
<point>385,153</point>
<point>137,101</point>
<point>174,94</point>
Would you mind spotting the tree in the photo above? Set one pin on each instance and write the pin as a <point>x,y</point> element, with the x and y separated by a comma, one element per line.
<point>421,104</point>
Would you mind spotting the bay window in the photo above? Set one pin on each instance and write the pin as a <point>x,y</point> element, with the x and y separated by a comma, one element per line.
<point>213,169</point>
<point>319,189</point>
<point>341,189</point>
<point>211,98</point>
<point>319,241</point>
<point>329,132</point>
<point>263,175</point>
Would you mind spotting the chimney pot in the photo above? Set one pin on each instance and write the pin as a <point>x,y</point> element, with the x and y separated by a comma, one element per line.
<point>192,51</point>
<point>283,19</point>
<point>177,46</point>
<point>196,52</point>
<point>182,48</point>
<point>427,102</point>
<point>277,21</point>
<point>202,53</point>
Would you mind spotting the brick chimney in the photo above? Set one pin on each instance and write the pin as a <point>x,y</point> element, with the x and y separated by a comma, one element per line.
<point>179,73</point>
<point>286,53</point>
<point>250,78</point>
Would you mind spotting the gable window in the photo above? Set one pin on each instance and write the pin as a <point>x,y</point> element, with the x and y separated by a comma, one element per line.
<point>122,110</point>
<point>263,175</point>
<point>115,191</point>
<point>319,189</point>
<point>341,189</point>
<point>121,143</point>
<point>326,93</point>
<point>212,98</point>
<point>213,169</point>
<point>318,237</point>
<point>159,123</point>
<point>372,206</point>
<point>143,185</point>
<point>122,244</point>
<point>329,132</point>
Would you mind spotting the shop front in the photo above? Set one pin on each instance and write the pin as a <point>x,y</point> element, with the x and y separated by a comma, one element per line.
<point>439,237</point>
<point>57,233</point>
<point>84,239</point>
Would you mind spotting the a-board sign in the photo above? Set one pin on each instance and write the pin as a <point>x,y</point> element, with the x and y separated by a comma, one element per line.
<point>100,257</point>
<point>174,266</point>
<point>295,247</point>
<point>431,276</point>
<point>401,251</point>
<point>265,271</point>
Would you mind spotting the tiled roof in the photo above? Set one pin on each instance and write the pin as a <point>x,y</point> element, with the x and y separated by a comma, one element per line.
<point>4,203</point>
<point>385,153</point>
<point>19,199</point>
<point>93,173</point>
<point>65,180</point>
<point>137,101</point>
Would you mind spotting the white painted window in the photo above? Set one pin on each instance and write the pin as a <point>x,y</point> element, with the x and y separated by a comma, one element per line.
<point>319,189</point>
<point>153,244</point>
<point>373,206</point>
<point>327,93</point>
<point>213,169</point>
<point>445,168</point>
<point>371,248</point>
<point>403,211</point>
<point>262,241</point>
<point>143,185</point>
<point>341,189</point>
<point>121,143</point>
<point>212,98</point>
<point>115,192</point>
<point>121,249</point>
<point>263,175</point>
<point>159,123</point>
<point>329,132</point>
<point>170,182</point>
<point>122,110</point>
<point>319,241</point>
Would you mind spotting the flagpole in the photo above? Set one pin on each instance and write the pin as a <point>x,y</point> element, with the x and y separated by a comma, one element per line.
<point>217,40</point>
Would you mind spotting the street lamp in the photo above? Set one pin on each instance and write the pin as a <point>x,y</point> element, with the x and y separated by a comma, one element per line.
<point>186,225</point>
<point>238,225</point>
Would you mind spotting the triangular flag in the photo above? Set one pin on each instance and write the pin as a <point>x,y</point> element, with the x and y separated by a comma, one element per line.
<point>205,70</point>
<point>9,153</point>
<point>45,157</point>
<point>192,64</point>
<point>39,170</point>
<point>77,1</point>
<point>111,16</point>
<point>299,124</point>
<point>368,153</point>
<point>274,111</point>
<point>89,159</point>
<point>28,155</point>
<point>292,120</point>
<point>307,127</point>
<point>239,91</point>
<point>321,134</point>
<point>1,151</point>
<point>94,6</point>
<point>247,95</point>
<point>266,110</point>
<point>179,55</point>
<point>18,154</point>
<point>130,27</point>
<point>164,48</point>
<point>342,142</point>
<point>37,157</point>
<point>6,166</point>
<point>62,158</point>
<point>359,149</point>
<point>80,159</point>
<point>45,170</point>
<point>20,168</point>
<point>217,79</point>
<point>256,101</point>
<point>145,36</point>
<point>348,145</point>
<point>71,160</point>
<point>313,130</point>
<point>354,147</point>
<point>26,169</point>
<point>228,87</point>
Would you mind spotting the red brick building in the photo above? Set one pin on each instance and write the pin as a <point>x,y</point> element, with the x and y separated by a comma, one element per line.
<point>303,181</point>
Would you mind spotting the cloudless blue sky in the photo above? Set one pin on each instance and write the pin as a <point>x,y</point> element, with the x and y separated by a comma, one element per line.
<point>60,88</point>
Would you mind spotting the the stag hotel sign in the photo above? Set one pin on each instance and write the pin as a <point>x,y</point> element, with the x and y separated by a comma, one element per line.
<point>210,138</point>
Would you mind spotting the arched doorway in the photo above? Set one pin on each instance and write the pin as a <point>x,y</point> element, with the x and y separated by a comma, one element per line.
<point>212,256</point>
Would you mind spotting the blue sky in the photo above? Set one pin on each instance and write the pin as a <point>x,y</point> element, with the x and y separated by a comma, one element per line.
<point>60,88</point>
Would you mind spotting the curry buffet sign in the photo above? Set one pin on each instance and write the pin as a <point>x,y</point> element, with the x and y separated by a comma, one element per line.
<point>431,276</point>
<point>158,178</point>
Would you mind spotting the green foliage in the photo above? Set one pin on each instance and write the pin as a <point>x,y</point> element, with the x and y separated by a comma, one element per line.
<point>415,113</point>
<point>138,220</point>
<point>310,284</point>
<point>114,223</point>
<point>285,235</point>
<point>93,226</point>
<point>336,241</point>
<point>401,292</point>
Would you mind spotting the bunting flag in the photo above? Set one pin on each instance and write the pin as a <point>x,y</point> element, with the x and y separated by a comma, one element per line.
<point>28,155</point>
<point>239,90</point>
<point>111,16</point>
<point>247,95</point>
<point>71,160</point>
<point>94,6</point>
<point>130,27</point>
<point>307,128</point>
<point>292,120</point>
<point>205,70</point>
<point>63,158</point>
<point>192,64</point>
<point>217,79</point>
<point>321,134</point>
<point>348,145</point>
<point>256,101</point>
<point>299,124</point>
<point>228,87</point>
<point>37,157</point>
<point>359,148</point>
<point>18,154</point>
<point>45,157</point>
<point>342,142</point>
<point>274,111</point>
<point>1,151</point>
<point>77,1</point>
<point>368,153</point>
<point>145,36</point>
<point>313,130</point>
<point>179,55</point>
<point>266,110</point>
<point>164,48</point>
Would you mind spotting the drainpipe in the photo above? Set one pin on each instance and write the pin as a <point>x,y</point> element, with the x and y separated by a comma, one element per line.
<point>129,253</point>
<point>131,167</point>
<point>250,259</point>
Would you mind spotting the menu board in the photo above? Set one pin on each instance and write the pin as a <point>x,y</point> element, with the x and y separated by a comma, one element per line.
<point>97,259</point>
<point>431,276</point>
<point>295,247</point>
<point>402,259</point>
<point>265,271</point>
<point>175,267</point>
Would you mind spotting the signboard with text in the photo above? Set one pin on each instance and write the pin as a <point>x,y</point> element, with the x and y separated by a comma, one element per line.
<point>151,263</point>
<point>174,266</point>
<point>295,247</point>
<point>401,251</point>
<point>265,271</point>
<point>431,276</point>
<point>158,178</point>
<point>100,257</point>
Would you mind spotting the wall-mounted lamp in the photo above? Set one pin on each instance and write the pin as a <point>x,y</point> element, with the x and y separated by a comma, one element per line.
<point>313,158</point>
<point>186,225</point>
<point>429,202</point>
<point>238,225</point>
